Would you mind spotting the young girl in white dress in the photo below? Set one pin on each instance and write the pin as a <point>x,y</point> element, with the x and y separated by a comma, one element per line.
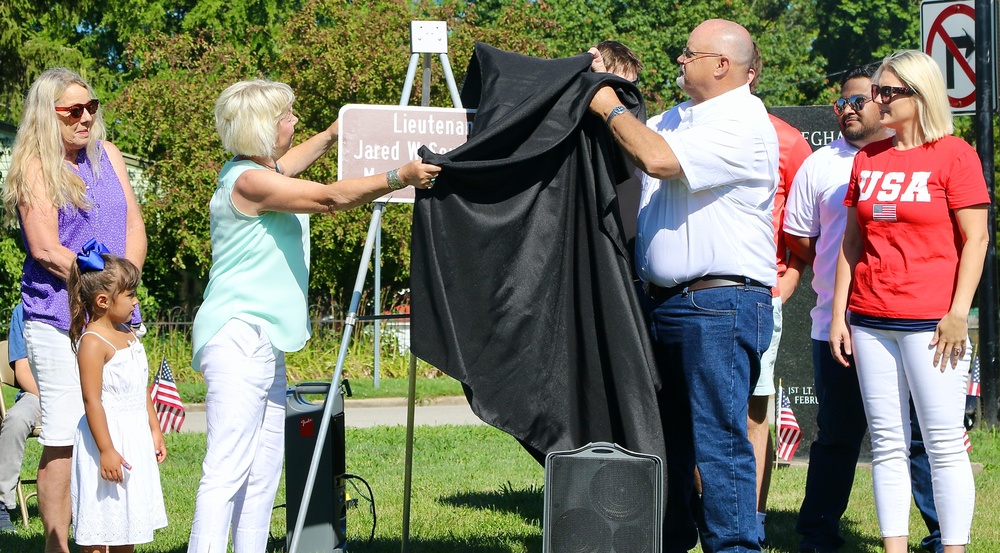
<point>115,481</point>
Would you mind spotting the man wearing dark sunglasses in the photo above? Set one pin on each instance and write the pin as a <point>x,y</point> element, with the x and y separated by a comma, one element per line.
<point>708,264</point>
<point>814,225</point>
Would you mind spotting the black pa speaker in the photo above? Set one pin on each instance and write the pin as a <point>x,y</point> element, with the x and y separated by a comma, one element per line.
<point>602,498</point>
<point>325,527</point>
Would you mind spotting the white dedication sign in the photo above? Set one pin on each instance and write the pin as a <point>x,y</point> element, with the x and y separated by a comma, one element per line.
<point>374,139</point>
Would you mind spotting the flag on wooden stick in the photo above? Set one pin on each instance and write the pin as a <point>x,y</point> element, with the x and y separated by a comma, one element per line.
<point>974,387</point>
<point>789,433</point>
<point>166,400</point>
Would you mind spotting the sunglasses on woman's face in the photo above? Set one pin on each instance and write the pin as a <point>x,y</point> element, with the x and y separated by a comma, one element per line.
<point>76,110</point>
<point>888,93</point>
<point>856,101</point>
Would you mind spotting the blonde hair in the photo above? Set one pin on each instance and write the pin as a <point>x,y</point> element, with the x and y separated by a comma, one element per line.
<point>920,72</point>
<point>119,275</point>
<point>39,140</point>
<point>247,116</point>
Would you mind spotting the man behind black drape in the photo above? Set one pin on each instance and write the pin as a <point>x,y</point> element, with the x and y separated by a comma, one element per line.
<point>520,284</point>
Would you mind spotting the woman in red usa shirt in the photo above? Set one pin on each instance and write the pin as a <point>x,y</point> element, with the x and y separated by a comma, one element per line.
<point>909,267</point>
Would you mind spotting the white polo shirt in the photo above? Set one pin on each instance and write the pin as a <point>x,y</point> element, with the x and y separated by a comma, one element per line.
<point>815,207</point>
<point>716,218</point>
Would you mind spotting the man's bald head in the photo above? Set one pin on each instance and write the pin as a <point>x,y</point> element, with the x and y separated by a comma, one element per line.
<point>721,60</point>
<point>730,38</point>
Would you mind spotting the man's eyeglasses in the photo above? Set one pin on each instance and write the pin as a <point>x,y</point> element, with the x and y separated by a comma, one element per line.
<point>76,110</point>
<point>691,56</point>
<point>856,101</point>
<point>887,93</point>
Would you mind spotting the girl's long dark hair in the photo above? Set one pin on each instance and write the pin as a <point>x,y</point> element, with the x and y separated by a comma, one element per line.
<point>119,275</point>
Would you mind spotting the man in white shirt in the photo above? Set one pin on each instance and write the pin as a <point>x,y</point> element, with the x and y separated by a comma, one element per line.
<point>705,250</point>
<point>815,218</point>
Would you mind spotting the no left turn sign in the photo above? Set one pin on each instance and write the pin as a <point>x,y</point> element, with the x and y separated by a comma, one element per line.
<point>948,29</point>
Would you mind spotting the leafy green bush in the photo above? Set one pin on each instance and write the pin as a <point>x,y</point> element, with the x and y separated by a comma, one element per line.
<point>316,362</point>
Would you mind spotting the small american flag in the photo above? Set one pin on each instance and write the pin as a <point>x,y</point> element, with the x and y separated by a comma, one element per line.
<point>974,389</point>
<point>884,212</point>
<point>968,443</point>
<point>789,433</point>
<point>166,400</point>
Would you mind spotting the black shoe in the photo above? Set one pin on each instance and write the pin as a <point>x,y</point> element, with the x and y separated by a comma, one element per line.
<point>5,524</point>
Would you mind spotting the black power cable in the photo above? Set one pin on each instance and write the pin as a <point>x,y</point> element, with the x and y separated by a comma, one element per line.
<point>370,498</point>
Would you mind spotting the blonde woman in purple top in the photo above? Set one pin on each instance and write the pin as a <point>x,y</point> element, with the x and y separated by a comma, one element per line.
<point>66,185</point>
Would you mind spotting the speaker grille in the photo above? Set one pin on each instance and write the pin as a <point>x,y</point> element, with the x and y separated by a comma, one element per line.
<point>602,499</point>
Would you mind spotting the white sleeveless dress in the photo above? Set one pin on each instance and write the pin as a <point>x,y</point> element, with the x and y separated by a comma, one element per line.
<point>109,513</point>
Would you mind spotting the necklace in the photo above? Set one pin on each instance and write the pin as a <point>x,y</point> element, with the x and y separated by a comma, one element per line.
<point>275,168</point>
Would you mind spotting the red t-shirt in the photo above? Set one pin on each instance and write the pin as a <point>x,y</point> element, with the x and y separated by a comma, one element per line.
<point>792,151</point>
<point>912,242</point>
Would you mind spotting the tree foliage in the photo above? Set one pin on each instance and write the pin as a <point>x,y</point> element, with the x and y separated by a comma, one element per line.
<point>658,31</point>
<point>165,115</point>
<point>158,67</point>
<point>858,32</point>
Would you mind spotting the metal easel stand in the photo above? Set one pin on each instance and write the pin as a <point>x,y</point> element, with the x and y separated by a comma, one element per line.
<point>426,38</point>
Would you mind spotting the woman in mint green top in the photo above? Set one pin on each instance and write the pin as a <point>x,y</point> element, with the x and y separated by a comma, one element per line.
<point>255,306</point>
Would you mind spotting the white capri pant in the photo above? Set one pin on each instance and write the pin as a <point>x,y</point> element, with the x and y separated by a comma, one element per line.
<point>892,367</point>
<point>245,412</point>
<point>53,364</point>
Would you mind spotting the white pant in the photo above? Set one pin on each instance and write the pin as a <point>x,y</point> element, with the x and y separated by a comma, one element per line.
<point>53,363</point>
<point>892,366</point>
<point>245,412</point>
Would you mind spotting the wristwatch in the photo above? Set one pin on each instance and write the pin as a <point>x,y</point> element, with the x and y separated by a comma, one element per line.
<point>617,111</point>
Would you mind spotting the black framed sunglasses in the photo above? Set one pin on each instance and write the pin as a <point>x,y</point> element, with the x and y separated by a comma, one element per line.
<point>76,110</point>
<point>856,101</point>
<point>887,93</point>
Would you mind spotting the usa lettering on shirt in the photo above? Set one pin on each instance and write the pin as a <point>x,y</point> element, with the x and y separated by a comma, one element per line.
<point>889,186</point>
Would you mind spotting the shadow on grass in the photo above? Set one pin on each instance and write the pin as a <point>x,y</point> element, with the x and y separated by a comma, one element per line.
<point>528,502</point>
<point>21,543</point>
<point>781,535</point>
<point>21,540</point>
<point>457,545</point>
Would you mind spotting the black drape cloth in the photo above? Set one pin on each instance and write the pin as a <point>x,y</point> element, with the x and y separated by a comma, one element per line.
<point>520,284</point>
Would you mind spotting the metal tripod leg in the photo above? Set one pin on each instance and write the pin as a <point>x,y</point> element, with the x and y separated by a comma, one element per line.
<point>411,400</point>
<point>345,341</point>
<point>374,230</point>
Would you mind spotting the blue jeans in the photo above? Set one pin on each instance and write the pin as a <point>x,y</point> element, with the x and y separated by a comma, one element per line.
<point>833,458</point>
<point>708,345</point>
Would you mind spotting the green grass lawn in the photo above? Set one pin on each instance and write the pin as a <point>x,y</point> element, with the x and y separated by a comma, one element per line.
<point>476,491</point>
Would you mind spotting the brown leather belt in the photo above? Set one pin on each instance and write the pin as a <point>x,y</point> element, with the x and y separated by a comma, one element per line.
<point>703,283</point>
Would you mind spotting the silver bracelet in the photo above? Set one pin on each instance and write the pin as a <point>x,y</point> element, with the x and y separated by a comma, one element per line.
<point>392,177</point>
<point>617,111</point>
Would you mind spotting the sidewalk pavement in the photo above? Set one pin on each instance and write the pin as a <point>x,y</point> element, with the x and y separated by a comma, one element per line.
<point>365,413</point>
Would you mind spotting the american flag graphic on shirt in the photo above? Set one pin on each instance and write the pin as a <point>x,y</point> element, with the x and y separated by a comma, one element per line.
<point>884,212</point>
